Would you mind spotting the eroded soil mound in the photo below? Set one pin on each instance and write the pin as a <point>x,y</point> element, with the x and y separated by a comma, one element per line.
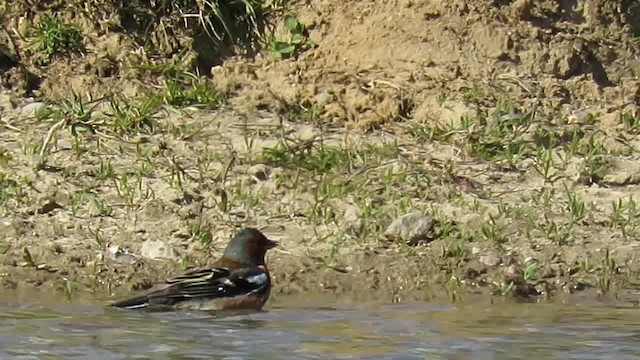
<point>383,62</point>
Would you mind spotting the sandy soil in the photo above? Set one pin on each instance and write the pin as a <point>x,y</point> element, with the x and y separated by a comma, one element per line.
<point>512,124</point>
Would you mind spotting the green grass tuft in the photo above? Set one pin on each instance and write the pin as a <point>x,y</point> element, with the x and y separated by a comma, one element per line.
<point>55,37</point>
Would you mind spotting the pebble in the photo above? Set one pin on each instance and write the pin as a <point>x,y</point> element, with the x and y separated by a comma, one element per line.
<point>158,249</point>
<point>622,177</point>
<point>351,221</point>
<point>323,98</point>
<point>7,228</point>
<point>33,109</point>
<point>491,259</point>
<point>512,272</point>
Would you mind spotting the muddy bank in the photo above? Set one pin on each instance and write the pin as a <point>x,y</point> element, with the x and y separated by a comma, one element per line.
<point>511,126</point>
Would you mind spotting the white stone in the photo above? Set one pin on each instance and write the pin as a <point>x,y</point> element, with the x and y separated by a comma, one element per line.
<point>33,109</point>
<point>158,249</point>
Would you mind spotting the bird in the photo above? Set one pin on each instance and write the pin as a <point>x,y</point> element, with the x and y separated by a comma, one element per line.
<point>239,280</point>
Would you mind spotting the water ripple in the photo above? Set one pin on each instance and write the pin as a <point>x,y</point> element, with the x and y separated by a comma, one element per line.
<point>415,331</point>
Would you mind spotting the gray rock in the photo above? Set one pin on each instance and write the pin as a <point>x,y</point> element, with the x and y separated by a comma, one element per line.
<point>351,221</point>
<point>579,116</point>
<point>33,109</point>
<point>158,249</point>
<point>323,98</point>
<point>7,228</point>
<point>622,177</point>
<point>411,228</point>
<point>491,259</point>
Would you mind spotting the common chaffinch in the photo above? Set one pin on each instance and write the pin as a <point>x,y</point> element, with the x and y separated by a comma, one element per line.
<point>238,280</point>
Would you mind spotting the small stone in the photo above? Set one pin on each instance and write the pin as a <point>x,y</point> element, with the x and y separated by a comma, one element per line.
<point>191,211</point>
<point>34,109</point>
<point>491,259</point>
<point>158,249</point>
<point>154,209</point>
<point>351,221</point>
<point>475,250</point>
<point>6,224</point>
<point>621,178</point>
<point>259,171</point>
<point>323,98</point>
<point>512,272</point>
<point>579,116</point>
<point>411,228</point>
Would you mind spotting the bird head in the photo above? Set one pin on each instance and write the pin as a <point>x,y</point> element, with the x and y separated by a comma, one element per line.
<point>248,247</point>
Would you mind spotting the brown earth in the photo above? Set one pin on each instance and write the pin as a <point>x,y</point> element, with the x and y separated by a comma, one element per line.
<point>402,75</point>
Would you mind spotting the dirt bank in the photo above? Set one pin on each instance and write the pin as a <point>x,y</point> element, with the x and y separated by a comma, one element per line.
<point>512,126</point>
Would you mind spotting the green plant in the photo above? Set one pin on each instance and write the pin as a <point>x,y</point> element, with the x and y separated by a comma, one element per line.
<point>298,40</point>
<point>473,94</point>
<point>200,232</point>
<point>9,189</point>
<point>101,208</point>
<point>231,21</point>
<point>558,232</point>
<point>189,90</point>
<point>130,117</point>
<point>624,215</point>
<point>69,288</point>
<point>596,165</point>
<point>78,199</point>
<point>98,238</point>
<point>306,154</point>
<point>631,121</point>
<point>575,207</point>
<point>544,165</point>
<point>105,170</point>
<point>493,231</point>
<point>75,110</point>
<point>502,289</point>
<point>454,251</point>
<point>531,271</point>
<point>54,37</point>
<point>608,270</point>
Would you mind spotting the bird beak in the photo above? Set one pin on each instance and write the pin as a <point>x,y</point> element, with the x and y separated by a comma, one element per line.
<point>271,244</point>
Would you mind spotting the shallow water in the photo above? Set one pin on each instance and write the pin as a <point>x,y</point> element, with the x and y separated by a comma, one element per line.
<point>417,331</point>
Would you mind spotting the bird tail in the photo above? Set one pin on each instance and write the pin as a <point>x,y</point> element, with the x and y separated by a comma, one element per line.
<point>138,302</point>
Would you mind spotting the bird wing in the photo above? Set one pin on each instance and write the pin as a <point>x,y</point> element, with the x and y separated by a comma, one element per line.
<point>199,275</point>
<point>208,283</point>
